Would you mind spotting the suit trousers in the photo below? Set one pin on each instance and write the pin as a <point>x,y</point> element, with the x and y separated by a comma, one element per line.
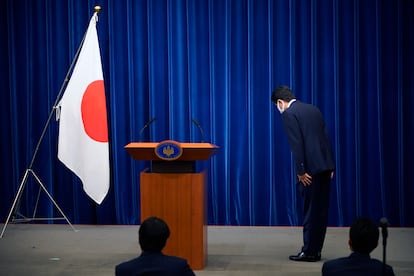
<point>315,211</point>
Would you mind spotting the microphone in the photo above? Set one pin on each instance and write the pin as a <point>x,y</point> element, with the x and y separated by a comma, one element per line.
<point>145,126</point>
<point>200,128</point>
<point>383,225</point>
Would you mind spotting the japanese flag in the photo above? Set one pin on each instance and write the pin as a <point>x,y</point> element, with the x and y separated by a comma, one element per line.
<point>83,130</point>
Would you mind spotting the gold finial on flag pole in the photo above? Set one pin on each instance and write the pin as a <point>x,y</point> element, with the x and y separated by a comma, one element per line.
<point>97,9</point>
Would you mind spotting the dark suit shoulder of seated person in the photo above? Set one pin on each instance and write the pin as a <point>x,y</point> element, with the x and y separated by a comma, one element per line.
<point>363,239</point>
<point>153,234</point>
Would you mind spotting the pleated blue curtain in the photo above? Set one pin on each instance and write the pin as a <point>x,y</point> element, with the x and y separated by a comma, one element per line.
<point>217,62</point>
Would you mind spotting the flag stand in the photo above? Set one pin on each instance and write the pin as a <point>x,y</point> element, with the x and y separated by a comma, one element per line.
<point>16,203</point>
<point>14,211</point>
<point>15,207</point>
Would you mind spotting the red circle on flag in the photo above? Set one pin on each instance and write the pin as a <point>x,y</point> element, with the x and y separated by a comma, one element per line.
<point>93,110</point>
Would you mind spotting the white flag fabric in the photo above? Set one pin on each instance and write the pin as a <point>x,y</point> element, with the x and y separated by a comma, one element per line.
<point>83,130</point>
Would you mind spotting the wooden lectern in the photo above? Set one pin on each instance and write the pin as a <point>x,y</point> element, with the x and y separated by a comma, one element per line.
<point>175,192</point>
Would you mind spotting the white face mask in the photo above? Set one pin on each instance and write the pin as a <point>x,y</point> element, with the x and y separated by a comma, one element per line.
<point>279,106</point>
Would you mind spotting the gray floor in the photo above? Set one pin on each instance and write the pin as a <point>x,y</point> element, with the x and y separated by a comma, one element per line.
<point>29,249</point>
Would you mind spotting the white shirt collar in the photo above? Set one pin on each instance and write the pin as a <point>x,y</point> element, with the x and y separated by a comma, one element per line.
<point>291,101</point>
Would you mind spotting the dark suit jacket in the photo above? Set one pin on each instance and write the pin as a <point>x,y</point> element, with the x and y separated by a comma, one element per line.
<point>157,264</point>
<point>308,138</point>
<point>356,264</point>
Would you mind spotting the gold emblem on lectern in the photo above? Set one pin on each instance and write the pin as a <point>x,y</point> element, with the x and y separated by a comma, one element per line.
<point>168,150</point>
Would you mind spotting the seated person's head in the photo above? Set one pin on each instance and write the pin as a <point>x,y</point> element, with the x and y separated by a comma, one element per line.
<point>363,235</point>
<point>153,234</point>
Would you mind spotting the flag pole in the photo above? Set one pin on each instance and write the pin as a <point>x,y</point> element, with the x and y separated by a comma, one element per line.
<point>16,202</point>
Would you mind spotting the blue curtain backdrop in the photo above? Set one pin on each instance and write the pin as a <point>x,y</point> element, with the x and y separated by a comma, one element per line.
<point>217,61</point>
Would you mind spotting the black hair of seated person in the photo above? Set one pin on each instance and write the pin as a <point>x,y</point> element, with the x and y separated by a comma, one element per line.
<point>153,234</point>
<point>363,235</point>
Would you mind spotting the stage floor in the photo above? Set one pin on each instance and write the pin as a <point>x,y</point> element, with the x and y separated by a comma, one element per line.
<point>39,249</point>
